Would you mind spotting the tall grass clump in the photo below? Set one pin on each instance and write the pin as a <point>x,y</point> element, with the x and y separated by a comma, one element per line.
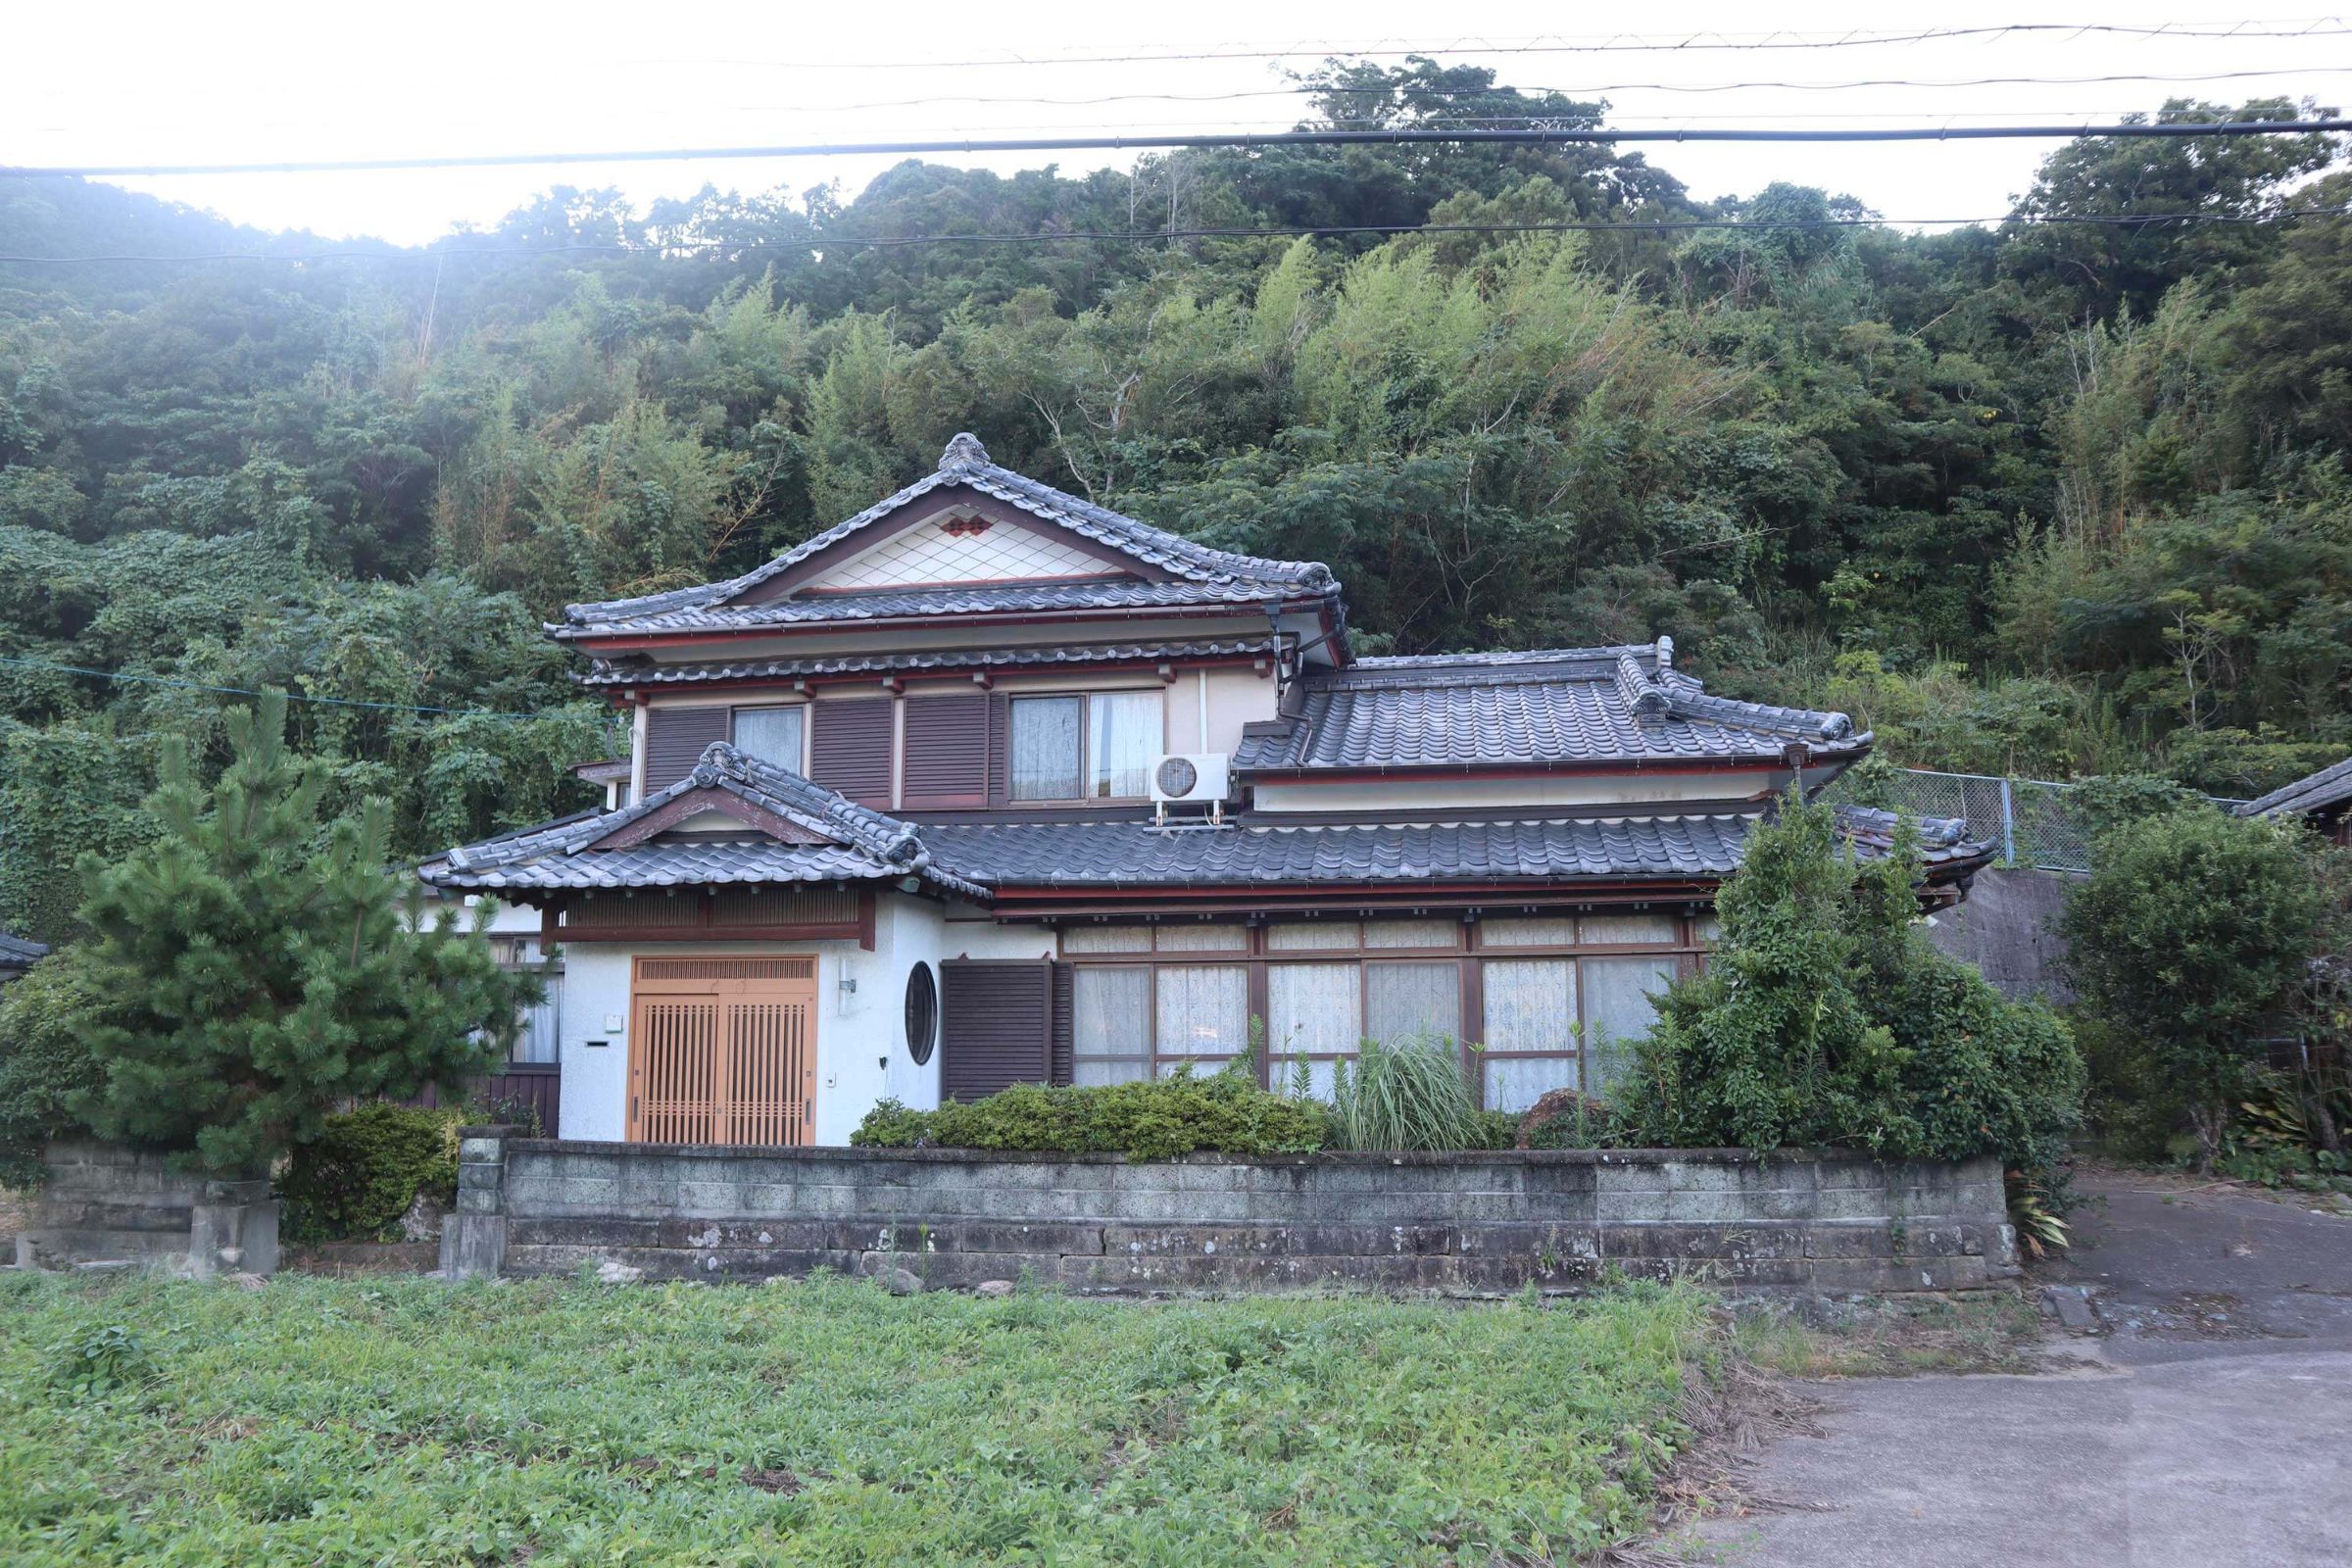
<point>1411,1093</point>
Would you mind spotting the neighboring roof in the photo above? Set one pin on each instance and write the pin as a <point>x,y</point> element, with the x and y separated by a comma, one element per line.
<point>2315,791</point>
<point>638,672</point>
<point>603,771</point>
<point>1199,574</point>
<point>858,844</point>
<point>20,952</point>
<point>1563,706</point>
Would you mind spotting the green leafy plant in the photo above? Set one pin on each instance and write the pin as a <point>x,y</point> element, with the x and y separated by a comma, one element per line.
<point>1825,1018</point>
<point>98,1360</point>
<point>1222,1112</point>
<point>2193,930</point>
<point>361,1174</point>
<point>46,1067</point>
<point>2033,1214</point>
<point>1407,1095</point>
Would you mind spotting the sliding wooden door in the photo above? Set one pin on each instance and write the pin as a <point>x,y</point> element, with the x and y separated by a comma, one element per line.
<point>723,1050</point>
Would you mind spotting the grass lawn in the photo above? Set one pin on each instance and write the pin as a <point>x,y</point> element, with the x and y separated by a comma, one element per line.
<point>405,1421</point>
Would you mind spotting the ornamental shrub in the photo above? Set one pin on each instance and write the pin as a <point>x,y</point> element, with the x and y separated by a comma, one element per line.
<point>2194,931</point>
<point>1224,1112</point>
<point>1825,1018</point>
<point>1409,1094</point>
<point>45,1067</point>
<point>358,1177</point>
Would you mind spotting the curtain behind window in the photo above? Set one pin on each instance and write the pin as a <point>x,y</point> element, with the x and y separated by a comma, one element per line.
<point>1045,748</point>
<point>772,734</point>
<point>1125,738</point>
<point>1110,1025</point>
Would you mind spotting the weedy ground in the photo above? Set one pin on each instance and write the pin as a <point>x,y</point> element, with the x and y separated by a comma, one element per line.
<point>405,1421</point>
<point>1990,1331</point>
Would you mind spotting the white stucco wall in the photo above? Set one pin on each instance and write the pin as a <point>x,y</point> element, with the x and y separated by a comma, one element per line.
<point>860,1035</point>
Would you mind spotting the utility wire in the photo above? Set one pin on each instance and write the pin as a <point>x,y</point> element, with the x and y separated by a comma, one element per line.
<point>832,242</point>
<point>246,691</point>
<point>1594,43</point>
<point>1531,137</point>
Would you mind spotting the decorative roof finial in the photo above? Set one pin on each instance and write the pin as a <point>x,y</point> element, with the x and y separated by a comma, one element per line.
<point>1665,653</point>
<point>965,450</point>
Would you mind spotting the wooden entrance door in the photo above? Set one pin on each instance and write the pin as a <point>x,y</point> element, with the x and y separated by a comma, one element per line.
<point>723,1050</point>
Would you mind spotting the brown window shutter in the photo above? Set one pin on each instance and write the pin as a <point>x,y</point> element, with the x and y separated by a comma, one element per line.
<point>947,752</point>
<point>849,748</point>
<point>995,1025</point>
<point>1064,1053</point>
<point>674,738</point>
<point>1000,741</point>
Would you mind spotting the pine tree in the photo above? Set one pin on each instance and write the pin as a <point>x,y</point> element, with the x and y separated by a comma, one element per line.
<point>265,967</point>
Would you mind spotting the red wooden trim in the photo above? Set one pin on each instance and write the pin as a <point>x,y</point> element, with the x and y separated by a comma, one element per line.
<point>551,915</point>
<point>1410,773</point>
<point>647,642</point>
<point>954,675</point>
<point>693,804</point>
<point>866,918</point>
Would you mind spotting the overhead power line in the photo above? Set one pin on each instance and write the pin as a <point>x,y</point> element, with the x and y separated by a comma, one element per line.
<point>1527,136</point>
<point>849,242</point>
<point>1600,44</point>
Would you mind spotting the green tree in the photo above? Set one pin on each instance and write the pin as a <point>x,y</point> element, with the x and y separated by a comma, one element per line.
<point>262,968</point>
<point>1825,1018</point>
<point>2193,932</point>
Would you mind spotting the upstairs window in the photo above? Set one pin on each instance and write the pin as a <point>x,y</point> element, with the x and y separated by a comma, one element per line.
<point>1085,748</point>
<point>774,735</point>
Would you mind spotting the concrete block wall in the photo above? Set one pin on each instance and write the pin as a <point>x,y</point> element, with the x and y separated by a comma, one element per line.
<point>1464,1224</point>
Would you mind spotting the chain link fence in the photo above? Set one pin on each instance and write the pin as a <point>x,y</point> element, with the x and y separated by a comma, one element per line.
<point>2025,820</point>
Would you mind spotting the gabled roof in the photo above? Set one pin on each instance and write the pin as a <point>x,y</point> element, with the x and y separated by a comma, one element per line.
<point>1562,707</point>
<point>829,839</point>
<point>20,952</point>
<point>2315,791</point>
<point>1194,572</point>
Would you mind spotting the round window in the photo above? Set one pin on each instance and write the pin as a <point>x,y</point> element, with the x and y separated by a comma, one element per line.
<point>922,1014</point>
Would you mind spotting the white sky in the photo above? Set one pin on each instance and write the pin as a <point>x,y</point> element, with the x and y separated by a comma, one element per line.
<point>250,81</point>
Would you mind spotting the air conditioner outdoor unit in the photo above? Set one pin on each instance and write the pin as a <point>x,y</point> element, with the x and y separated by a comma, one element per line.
<point>1198,778</point>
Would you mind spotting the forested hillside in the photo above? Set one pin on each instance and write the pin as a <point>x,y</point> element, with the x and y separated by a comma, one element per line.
<point>2052,498</point>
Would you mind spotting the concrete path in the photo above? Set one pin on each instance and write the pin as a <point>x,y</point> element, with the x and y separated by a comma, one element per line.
<point>2208,1424</point>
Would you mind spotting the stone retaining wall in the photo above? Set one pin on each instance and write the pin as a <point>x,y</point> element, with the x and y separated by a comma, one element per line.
<point>1464,1224</point>
<point>103,1205</point>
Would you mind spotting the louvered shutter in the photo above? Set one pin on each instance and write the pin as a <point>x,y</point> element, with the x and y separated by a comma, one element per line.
<point>947,752</point>
<point>1000,734</point>
<point>848,747</point>
<point>1064,1053</point>
<point>674,738</point>
<point>995,1025</point>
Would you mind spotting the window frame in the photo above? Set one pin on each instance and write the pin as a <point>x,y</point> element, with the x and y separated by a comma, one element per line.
<point>1085,697</point>
<point>1685,951</point>
<point>734,709</point>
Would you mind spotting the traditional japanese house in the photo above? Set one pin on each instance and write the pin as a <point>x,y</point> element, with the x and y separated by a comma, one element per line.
<point>989,784</point>
<point>17,954</point>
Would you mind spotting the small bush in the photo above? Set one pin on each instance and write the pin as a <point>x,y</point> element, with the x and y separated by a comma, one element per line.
<point>1567,1118</point>
<point>44,1066</point>
<point>1161,1118</point>
<point>1495,1129</point>
<point>357,1179</point>
<point>1411,1094</point>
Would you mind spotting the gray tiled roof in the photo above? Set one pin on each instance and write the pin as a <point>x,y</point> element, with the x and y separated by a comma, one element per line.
<point>864,845</point>
<point>644,672</point>
<point>974,858</point>
<point>1203,575</point>
<point>2315,791</point>
<point>17,952</point>
<point>1561,706</point>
